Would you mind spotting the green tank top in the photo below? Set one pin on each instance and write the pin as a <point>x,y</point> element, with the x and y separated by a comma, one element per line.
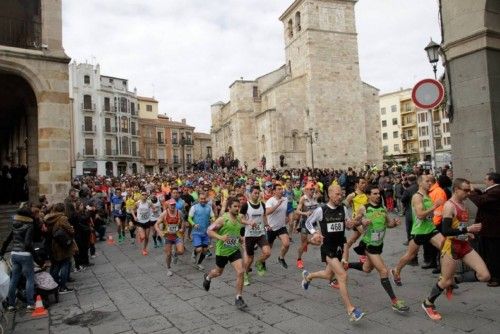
<point>422,226</point>
<point>375,232</point>
<point>232,229</point>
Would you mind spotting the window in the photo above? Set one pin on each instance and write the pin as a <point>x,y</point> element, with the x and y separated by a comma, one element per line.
<point>124,124</point>
<point>395,134</point>
<point>209,151</point>
<point>297,21</point>
<point>149,107</point>
<point>86,79</point>
<point>382,111</point>
<point>160,153</point>
<point>384,124</point>
<point>422,117</point>
<point>438,144</point>
<point>423,131</point>
<point>188,158</point>
<point>394,121</point>
<point>384,136</point>
<point>134,148</point>
<point>160,138</point>
<point>149,153</point>
<point>255,92</point>
<point>89,147</point>
<point>409,134</point>
<point>107,124</point>
<point>407,107</point>
<point>107,104</point>
<point>447,141</point>
<point>125,146</point>
<point>290,28</point>
<point>394,108</point>
<point>133,130</point>
<point>446,127</point>
<point>188,138</point>
<point>123,105</point>
<point>87,102</point>
<point>132,108</point>
<point>174,138</point>
<point>396,147</point>
<point>87,124</point>
<point>108,147</point>
<point>386,148</point>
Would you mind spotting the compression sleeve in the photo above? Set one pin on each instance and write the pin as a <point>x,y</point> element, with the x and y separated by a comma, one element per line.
<point>448,231</point>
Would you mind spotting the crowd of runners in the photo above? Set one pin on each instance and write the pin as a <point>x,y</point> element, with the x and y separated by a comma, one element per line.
<point>238,216</point>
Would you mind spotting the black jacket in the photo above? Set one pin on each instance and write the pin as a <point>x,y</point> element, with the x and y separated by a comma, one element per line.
<point>21,235</point>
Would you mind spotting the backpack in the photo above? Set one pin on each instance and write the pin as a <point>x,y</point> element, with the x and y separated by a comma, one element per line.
<point>62,238</point>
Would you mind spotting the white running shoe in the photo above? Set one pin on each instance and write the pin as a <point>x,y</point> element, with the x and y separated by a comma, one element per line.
<point>169,273</point>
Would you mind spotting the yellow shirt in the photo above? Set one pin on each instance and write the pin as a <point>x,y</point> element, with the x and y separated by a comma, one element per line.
<point>358,201</point>
<point>130,204</point>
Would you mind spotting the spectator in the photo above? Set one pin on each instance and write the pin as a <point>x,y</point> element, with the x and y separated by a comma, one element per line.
<point>488,214</point>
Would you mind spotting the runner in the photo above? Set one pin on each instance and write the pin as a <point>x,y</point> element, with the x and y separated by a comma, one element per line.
<point>276,218</point>
<point>371,244</point>
<point>168,225</point>
<point>254,212</point>
<point>226,230</point>
<point>142,218</point>
<point>129,207</point>
<point>119,214</point>
<point>200,216</point>
<point>305,208</point>
<point>155,208</point>
<point>333,219</point>
<point>456,247</point>
<point>423,229</point>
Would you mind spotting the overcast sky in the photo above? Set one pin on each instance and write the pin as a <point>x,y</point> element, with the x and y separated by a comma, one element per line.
<point>187,53</point>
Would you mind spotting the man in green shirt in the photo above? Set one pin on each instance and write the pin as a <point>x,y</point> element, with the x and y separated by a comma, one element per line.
<point>423,229</point>
<point>226,230</point>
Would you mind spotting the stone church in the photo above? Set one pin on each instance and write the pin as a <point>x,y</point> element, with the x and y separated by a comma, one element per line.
<point>312,111</point>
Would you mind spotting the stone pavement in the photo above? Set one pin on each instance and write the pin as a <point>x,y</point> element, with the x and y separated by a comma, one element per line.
<point>126,292</point>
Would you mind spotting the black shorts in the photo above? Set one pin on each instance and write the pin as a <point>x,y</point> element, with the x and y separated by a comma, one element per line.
<point>335,253</point>
<point>221,261</point>
<point>250,243</point>
<point>144,225</point>
<point>272,235</point>
<point>421,239</point>
<point>362,247</point>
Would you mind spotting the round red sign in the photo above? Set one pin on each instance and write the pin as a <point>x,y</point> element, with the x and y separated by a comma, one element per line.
<point>427,94</point>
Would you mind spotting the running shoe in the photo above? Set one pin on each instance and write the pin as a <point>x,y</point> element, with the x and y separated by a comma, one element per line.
<point>246,279</point>
<point>11,309</point>
<point>399,306</point>
<point>356,315</point>
<point>305,282</point>
<point>334,284</point>
<point>200,267</point>
<point>261,269</point>
<point>240,303</point>
<point>396,278</point>
<point>144,252</point>
<point>206,282</point>
<point>63,291</point>
<point>300,264</point>
<point>169,273</point>
<point>430,310</point>
<point>282,262</point>
<point>209,253</point>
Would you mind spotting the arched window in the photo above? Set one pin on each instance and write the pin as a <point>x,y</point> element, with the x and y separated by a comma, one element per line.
<point>297,21</point>
<point>124,124</point>
<point>290,28</point>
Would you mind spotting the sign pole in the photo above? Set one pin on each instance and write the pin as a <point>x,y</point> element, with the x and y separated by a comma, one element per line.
<point>433,147</point>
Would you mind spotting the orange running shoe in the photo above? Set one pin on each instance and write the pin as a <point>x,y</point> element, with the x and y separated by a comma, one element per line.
<point>430,310</point>
<point>300,264</point>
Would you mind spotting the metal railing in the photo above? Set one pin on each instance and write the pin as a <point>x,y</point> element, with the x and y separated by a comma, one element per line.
<point>89,128</point>
<point>110,129</point>
<point>25,34</point>
<point>89,152</point>
<point>86,107</point>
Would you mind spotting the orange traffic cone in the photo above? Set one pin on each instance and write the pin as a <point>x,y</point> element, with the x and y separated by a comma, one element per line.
<point>110,239</point>
<point>39,311</point>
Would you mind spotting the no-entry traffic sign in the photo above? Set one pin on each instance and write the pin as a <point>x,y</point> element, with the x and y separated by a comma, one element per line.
<point>427,93</point>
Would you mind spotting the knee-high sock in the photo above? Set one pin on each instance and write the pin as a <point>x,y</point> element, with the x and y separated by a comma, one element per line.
<point>356,265</point>
<point>388,287</point>
<point>201,258</point>
<point>435,292</point>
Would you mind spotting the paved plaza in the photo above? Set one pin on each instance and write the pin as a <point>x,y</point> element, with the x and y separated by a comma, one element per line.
<point>126,292</point>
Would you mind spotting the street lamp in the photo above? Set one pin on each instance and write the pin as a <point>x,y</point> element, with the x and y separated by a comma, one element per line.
<point>309,136</point>
<point>432,50</point>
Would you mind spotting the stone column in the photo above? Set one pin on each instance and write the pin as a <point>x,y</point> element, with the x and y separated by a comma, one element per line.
<point>472,48</point>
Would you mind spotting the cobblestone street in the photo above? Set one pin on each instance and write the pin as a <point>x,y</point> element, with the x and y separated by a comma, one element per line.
<point>126,292</point>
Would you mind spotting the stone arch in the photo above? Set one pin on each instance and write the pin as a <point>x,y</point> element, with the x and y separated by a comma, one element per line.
<point>28,75</point>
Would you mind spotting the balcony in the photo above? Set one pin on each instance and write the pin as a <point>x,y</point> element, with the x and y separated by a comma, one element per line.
<point>88,107</point>
<point>89,129</point>
<point>135,153</point>
<point>174,141</point>
<point>408,124</point>
<point>110,130</point>
<point>135,133</point>
<point>406,111</point>
<point>408,138</point>
<point>437,133</point>
<point>26,34</point>
<point>111,152</point>
<point>109,109</point>
<point>89,153</point>
<point>161,141</point>
<point>134,113</point>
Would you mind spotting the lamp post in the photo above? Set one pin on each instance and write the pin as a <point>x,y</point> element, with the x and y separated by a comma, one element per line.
<point>432,50</point>
<point>311,139</point>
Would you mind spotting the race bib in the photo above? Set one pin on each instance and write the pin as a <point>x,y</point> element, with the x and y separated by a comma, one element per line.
<point>378,236</point>
<point>232,242</point>
<point>335,227</point>
<point>144,216</point>
<point>171,229</point>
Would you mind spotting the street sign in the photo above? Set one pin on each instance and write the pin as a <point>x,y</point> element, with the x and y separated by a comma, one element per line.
<point>427,93</point>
